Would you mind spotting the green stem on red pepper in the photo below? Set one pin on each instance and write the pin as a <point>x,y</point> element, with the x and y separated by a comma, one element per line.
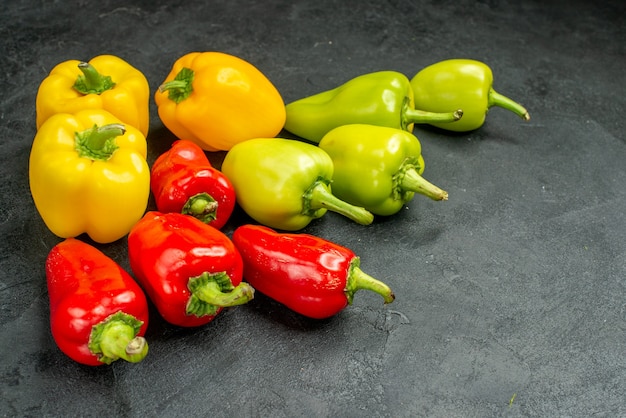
<point>308,274</point>
<point>116,338</point>
<point>190,270</point>
<point>183,180</point>
<point>212,291</point>
<point>98,313</point>
<point>359,280</point>
<point>202,206</point>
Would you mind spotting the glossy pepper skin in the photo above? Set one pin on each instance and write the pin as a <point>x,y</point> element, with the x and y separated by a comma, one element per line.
<point>310,275</point>
<point>217,100</point>
<point>464,83</point>
<point>88,173</point>
<point>285,184</point>
<point>98,313</point>
<point>190,270</point>
<point>383,98</point>
<point>378,168</point>
<point>105,82</point>
<point>183,180</point>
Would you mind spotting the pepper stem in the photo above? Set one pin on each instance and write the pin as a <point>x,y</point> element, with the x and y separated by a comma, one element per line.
<point>497,99</point>
<point>410,180</point>
<point>98,142</point>
<point>201,206</point>
<point>358,279</point>
<point>116,338</point>
<point>411,116</point>
<point>91,81</point>
<point>211,292</point>
<point>319,196</point>
<point>180,87</point>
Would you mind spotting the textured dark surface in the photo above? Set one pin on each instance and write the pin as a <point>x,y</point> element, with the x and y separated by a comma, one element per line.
<point>510,296</point>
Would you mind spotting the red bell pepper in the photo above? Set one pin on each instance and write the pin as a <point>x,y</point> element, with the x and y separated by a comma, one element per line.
<point>98,313</point>
<point>184,181</point>
<point>190,270</point>
<point>312,276</point>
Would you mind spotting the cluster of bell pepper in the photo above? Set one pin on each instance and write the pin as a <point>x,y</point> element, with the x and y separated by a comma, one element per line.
<point>87,170</point>
<point>88,173</point>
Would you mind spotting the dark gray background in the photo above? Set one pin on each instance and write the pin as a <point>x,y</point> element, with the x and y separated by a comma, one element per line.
<point>510,296</point>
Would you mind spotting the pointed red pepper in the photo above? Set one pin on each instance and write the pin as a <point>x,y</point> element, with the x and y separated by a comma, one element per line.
<point>310,275</point>
<point>184,181</point>
<point>98,313</point>
<point>190,270</point>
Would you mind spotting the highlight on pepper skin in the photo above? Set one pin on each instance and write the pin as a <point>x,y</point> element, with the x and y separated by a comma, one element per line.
<point>377,167</point>
<point>465,84</point>
<point>383,98</point>
<point>285,184</point>
<point>310,275</point>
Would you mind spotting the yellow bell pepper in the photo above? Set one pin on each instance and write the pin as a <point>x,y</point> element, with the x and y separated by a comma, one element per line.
<point>106,82</point>
<point>218,100</point>
<point>88,173</point>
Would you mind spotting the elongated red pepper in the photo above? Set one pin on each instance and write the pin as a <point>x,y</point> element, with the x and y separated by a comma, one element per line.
<point>183,180</point>
<point>190,270</point>
<point>98,313</point>
<point>312,276</point>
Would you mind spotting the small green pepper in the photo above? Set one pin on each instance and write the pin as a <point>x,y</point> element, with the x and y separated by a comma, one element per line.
<point>383,98</point>
<point>463,83</point>
<point>378,168</point>
<point>285,184</point>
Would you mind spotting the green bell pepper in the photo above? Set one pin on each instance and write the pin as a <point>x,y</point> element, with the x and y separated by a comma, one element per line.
<point>383,98</point>
<point>285,184</point>
<point>463,83</point>
<point>378,168</point>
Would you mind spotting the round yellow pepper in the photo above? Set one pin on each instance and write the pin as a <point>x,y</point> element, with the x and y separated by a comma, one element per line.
<point>88,173</point>
<point>218,100</point>
<point>106,82</point>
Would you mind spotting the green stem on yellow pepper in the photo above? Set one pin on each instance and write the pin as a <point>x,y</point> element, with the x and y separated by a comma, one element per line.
<point>180,87</point>
<point>319,196</point>
<point>91,81</point>
<point>98,142</point>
